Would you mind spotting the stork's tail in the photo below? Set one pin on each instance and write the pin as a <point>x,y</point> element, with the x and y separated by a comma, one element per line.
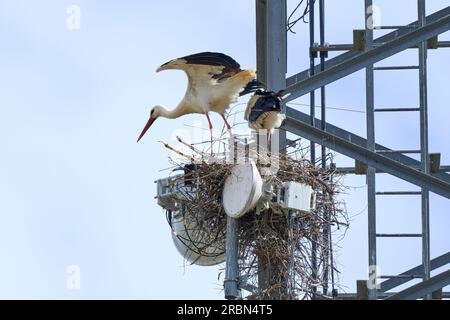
<point>252,86</point>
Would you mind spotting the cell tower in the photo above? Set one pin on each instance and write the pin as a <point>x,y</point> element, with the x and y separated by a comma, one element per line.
<point>371,159</point>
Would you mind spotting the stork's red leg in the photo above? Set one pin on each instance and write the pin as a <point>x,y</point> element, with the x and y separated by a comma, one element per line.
<point>226,123</point>
<point>210,129</point>
<point>209,121</point>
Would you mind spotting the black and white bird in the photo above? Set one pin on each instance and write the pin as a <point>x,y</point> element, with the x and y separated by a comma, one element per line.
<point>215,80</point>
<point>264,111</point>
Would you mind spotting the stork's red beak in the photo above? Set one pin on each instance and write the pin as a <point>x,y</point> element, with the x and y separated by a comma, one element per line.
<point>147,126</point>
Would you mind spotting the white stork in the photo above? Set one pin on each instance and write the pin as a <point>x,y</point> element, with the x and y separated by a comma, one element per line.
<point>264,111</point>
<point>215,81</point>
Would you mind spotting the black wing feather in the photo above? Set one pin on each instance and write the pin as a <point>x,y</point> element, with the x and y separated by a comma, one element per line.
<point>231,67</point>
<point>268,101</point>
<point>212,59</point>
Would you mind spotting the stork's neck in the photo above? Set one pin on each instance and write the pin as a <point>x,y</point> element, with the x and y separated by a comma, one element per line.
<point>170,114</point>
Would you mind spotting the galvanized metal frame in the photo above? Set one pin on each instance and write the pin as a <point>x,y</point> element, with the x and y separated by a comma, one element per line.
<point>312,116</point>
<point>368,58</point>
<point>271,47</point>
<point>424,288</point>
<point>371,158</point>
<point>424,155</point>
<point>231,282</point>
<point>370,130</point>
<point>293,115</point>
<point>351,54</point>
<point>356,61</point>
<point>394,282</point>
<point>271,66</point>
<point>271,59</point>
<point>328,259</point>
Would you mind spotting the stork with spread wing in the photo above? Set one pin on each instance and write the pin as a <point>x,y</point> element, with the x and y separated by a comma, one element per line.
<point>215,80</point>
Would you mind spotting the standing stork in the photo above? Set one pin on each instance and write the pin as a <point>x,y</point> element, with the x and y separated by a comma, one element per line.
<point>215,80</point>
<point>264,111</point>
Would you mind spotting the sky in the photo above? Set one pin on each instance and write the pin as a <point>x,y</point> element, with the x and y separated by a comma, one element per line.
<point>78,218</point>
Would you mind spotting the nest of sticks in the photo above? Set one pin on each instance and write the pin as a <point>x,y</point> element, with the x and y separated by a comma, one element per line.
<point>281,255</point>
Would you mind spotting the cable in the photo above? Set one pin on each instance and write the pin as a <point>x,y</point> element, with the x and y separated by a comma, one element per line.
<point>291,24</point>
<point>290,16</point>
<point>331,108</point>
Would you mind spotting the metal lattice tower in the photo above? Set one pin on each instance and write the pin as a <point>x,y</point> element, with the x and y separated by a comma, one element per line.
<point>370,157</point>
<point>425,167</point>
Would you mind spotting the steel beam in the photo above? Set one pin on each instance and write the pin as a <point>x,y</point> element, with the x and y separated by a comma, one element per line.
<point>271,58</point>
<point>271,53</point>
<point>293,116</point>
<point>370,129</point>
<point>352,170</point>
<point>395,282</point>
<point>312,148</point>
<point>328,258</point>
<point>231,283</point>
<point>364,155</point>
<point>386,38</point>
<point>348,47</point>
<point>271,47</point>
<point>353,296</point>
<point>423,288</point>
<point>368,58</point>
<point>424,155</point>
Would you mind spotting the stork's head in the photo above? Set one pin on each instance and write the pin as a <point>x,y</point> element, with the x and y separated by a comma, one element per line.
<point>154,114</point>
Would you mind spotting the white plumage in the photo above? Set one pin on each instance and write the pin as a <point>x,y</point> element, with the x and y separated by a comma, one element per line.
<point>215,81</point>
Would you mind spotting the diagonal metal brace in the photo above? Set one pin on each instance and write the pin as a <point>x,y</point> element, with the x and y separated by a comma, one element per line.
<point>395,282</point>
<point>372,159</point>
<point>351,54</point>
<point>423,288</point>
<point>368,58</point>
<point>293,115</point>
